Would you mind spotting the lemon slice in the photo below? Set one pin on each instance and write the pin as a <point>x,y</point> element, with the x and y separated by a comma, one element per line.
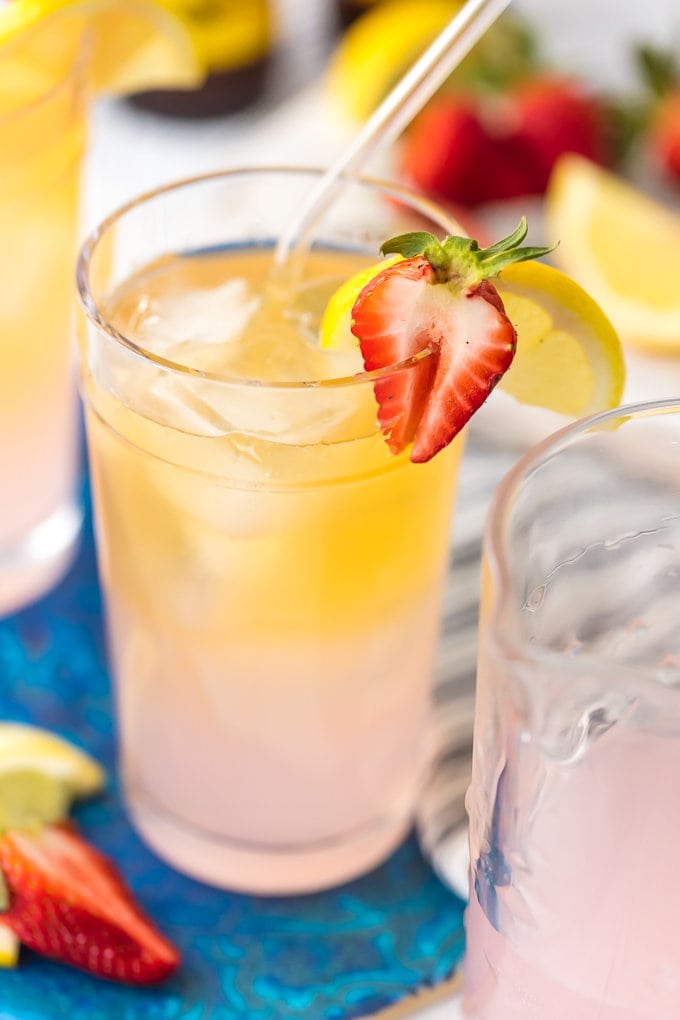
<point>9,947</point>
<point>622,246</point>
<point>130,45</point>
<point>378,47</point>
<point>569,358</point>
<point>30,749</point>
<point>335,333</point>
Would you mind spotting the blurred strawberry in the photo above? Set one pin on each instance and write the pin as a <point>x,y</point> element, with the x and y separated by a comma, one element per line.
<point>665,135</point>
<point>451,153</point>
<point>489,148</point>
<point>551,116</point>
<point>661,73</point>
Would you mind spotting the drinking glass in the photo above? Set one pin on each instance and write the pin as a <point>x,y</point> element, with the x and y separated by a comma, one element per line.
<point>574,830</point>
<point>42,135</point>
<point>272,573</point>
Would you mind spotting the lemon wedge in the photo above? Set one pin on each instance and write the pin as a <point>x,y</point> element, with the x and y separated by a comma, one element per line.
<point>622,246</point>
<point>379,46</point>
<point>130,45</point>
<point>9,947</point>
<point>335,332</point>
<point>29,749</point>
<point>569,358</point>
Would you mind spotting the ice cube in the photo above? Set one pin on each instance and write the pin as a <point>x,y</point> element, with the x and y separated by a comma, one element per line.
<point>176,325</point>
<point>296,416</point>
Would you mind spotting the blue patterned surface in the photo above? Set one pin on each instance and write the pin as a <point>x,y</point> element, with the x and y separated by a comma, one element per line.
<point>332,956</point>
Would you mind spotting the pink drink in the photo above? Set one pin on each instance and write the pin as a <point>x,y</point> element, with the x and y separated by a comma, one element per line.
<point>591,933</point>
<point>574,824</point>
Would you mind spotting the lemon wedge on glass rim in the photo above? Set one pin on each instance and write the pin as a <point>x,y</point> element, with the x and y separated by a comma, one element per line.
<point>569,358</point>
<point>130,44</point>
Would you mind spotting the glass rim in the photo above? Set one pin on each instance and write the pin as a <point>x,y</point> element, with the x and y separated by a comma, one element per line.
<point>503,634</point>
<point>74,75</point>
<point>91,308</point>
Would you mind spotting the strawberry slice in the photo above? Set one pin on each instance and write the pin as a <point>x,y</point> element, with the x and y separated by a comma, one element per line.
<point>68,902</point>
<point>437,311</point>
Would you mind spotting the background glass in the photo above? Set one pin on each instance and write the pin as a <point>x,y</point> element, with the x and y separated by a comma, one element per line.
<point>42,135</point>
<point>576,768</point>
<point>272,572</point>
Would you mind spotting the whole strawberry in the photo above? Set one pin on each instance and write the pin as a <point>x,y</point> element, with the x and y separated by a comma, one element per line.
<point>493,147</point>
<point>436,314</point>
<point>551,116</point>
<point>665,135</point>
<point>451,153</point>
<point>660,71</point>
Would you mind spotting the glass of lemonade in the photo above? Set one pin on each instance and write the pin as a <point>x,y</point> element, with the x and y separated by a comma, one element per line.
<point>272,572</point>
<point>42,135</point>
<point>576,773</point>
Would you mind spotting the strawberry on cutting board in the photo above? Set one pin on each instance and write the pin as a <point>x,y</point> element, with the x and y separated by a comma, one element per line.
<point>437,310</point>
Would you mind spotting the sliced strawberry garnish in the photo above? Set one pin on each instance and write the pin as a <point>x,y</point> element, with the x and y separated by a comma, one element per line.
<point>391,335</point>
<point>437,304</point>
<point>68,902</point>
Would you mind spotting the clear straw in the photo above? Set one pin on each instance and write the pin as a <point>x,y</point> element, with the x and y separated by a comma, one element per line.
<point>394,114</point>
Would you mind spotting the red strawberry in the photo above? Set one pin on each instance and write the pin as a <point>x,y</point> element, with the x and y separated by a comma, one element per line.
<point>437,303</point>
<point>68,902</point>
<point>490,149</point>
<point>452,152</point>
<point>665,135</point>
<point>551,116</point>
<point>660,71</point>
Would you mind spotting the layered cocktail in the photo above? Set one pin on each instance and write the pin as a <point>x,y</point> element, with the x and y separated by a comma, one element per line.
<point>272,571</point>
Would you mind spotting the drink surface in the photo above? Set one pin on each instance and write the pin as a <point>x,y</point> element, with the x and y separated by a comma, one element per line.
<point>273,577</point>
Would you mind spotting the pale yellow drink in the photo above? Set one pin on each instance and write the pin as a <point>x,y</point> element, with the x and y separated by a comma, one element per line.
<point>42,126</point>
<point>272,575</point>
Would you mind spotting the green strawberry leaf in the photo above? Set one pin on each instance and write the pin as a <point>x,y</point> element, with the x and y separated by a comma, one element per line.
<point>409,245</point>
<point>660,69</point>
<point>459,261</point>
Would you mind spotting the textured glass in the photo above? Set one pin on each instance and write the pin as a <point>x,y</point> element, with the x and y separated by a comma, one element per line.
<point>575,788</point>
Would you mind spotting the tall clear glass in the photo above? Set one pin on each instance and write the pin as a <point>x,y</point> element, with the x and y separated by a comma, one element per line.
<point>574,830</point>
<point>272,573</point>
<point>42,136</point>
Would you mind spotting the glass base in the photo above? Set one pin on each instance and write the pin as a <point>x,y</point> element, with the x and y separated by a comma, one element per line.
<point>37,561</point>
<point>254,868</point>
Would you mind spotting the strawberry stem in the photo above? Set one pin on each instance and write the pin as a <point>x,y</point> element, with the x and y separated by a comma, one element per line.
<point>459,261</point>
